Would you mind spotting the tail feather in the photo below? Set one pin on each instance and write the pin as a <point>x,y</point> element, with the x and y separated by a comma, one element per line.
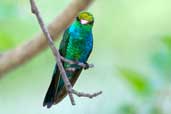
<point>56,91</point>
<point>61,93</point>
<point>50,95</point>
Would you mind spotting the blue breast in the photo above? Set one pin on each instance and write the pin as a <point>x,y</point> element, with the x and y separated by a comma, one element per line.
<point>80,45</point>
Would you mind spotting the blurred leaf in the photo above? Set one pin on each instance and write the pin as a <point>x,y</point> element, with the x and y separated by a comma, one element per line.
<point>155,110</point>
<point>167,41</point>
<point>127,109</point>
<point>162,59</point>
<point>7,9</point>
<point>18,30</point>
<point>137,80</point>
<point>5,41</point>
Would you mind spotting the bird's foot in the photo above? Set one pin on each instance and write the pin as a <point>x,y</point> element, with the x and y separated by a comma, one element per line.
<point>86,66</point>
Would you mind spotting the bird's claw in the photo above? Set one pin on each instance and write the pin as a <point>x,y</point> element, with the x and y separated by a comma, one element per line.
<point>86,66</point>
<point>85,63</point>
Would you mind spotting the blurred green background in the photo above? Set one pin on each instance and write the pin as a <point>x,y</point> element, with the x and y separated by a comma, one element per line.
<point>132,58</point>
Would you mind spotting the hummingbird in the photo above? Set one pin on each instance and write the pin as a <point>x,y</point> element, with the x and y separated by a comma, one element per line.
<point>76,45</point>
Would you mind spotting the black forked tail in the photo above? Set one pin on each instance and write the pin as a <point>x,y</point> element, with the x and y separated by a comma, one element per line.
<point>50,95</point>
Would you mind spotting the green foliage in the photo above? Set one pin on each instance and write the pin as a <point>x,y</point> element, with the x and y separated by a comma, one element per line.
<point>127,109</point>
<point>167,42</point>
<point>7,9</point>
<point>138,81</point>
<point>155,110</point>
<point>162,59</point>
<point>5,41</point>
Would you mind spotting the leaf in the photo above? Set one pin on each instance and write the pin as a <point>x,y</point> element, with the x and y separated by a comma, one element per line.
<point>138,81</point>
<point>155,110</point>
<point>127,109</point>
<point>167,41</point>
<point>5,41</point>
<point>7,9</point>
<point>162,59</point>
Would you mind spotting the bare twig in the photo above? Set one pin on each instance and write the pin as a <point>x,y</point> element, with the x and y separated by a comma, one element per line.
<point>56,53</point>
<point>81,94</point>
<point>58,57</point>
<point>16,57</point>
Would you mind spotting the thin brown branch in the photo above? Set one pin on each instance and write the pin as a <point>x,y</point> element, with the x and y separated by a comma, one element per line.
<point>23,53</point>
<point>55,52</point>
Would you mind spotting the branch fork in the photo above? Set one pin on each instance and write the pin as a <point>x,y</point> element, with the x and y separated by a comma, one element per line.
<point>59,58</point>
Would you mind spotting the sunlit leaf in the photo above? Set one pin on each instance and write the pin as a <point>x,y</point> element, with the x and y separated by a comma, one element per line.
<point>138,81</point>
<point>5,41</point>
<point>167,41</point>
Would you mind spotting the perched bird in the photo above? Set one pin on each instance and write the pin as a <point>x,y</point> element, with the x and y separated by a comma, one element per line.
<point>76,45</point>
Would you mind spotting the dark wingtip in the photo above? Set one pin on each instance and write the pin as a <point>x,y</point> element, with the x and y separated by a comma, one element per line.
<point>49,105</point>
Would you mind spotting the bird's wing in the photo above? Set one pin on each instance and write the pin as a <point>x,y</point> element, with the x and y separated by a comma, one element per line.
<point>62,50</point>
<point>53,87</point>
<point>63,93</point>
<point>50,95</point>
<point>64,43</point>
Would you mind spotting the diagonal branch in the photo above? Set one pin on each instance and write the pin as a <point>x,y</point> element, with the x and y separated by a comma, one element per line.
<point>16,57</point>
<point>56,53</point>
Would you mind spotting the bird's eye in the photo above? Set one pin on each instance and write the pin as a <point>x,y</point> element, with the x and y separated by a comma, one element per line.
<point>91,22</point>
<point>78,19</point>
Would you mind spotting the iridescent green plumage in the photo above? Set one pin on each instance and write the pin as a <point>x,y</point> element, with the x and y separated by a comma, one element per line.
<point>76,45</point>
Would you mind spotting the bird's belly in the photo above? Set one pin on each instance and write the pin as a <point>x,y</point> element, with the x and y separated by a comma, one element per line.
<point>77,51</point>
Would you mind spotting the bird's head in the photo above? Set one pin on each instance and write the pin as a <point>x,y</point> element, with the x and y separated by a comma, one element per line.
<point>85,18</point>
